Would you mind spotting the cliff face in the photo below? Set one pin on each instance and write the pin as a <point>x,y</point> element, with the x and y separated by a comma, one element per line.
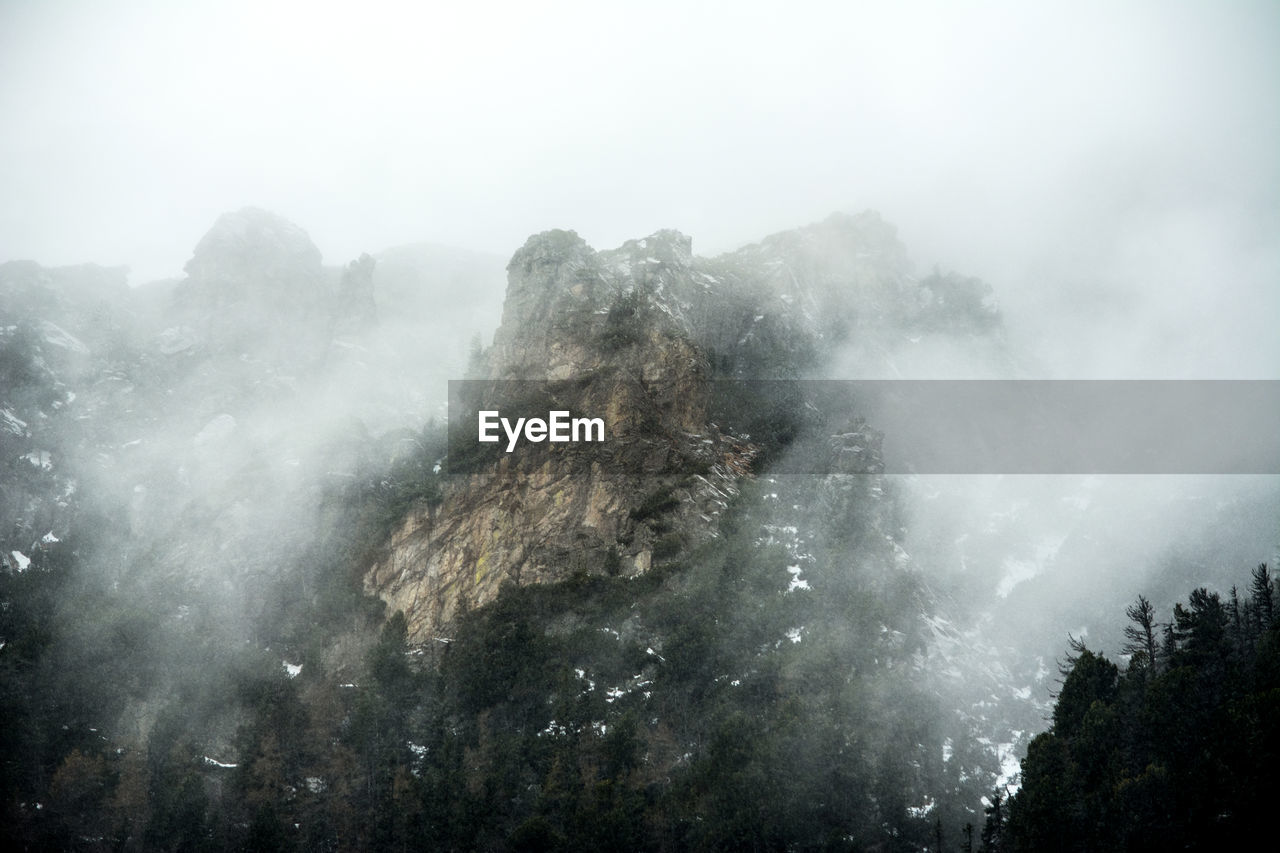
<point>543,515</point>
<point>634,334</point>
<point>255,284</point>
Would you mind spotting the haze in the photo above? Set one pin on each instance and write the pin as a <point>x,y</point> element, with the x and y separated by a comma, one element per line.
<point>223,472</point>
<point>1109,152</point>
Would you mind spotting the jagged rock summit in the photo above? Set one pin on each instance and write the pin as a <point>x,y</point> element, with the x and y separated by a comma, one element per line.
<point>599,326</point>
<point>255,252</point>
<point>255,284</point>
<point>637,334</point>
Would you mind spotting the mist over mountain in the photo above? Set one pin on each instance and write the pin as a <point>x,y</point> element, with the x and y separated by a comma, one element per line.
<point>243,591</point>
<point>260,588</point>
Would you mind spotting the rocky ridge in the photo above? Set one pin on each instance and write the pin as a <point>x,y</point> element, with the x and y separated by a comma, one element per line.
<point>603,333</point>
<point>637,333</point>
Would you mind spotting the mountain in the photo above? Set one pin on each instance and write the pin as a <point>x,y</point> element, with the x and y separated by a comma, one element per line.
<point>704,597</point>
<point>255,594</point>
<point>646,328</point>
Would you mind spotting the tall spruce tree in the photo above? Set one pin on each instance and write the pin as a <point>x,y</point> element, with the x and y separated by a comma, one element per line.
<point>1140,636</point>
<point>1262,592</point>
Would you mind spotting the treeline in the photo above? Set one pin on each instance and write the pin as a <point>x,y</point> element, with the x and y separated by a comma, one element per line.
<point>673,711</point>
<point>1179,748</point>
<point>702,706</point>
<point>128,703</point>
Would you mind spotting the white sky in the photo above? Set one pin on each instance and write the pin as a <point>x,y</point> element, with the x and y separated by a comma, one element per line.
<point>1006,140</point>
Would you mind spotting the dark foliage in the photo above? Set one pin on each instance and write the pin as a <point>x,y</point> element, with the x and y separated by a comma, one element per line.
<point>1178,750</point>
<point>625,323</point>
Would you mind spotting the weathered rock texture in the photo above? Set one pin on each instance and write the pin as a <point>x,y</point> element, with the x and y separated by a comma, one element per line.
<point>255,285</point>
<point>634,335</point>
<point>600,327</point>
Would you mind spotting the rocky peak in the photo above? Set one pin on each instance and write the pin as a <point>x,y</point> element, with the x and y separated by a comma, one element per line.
<point>569,308</point>
<point>550,283</point>
<point>636,333</point>
<point>547,252</point>
<point>254,249</point>
<point>667,248</point>
<point>601,327</point>
<point>255,285</point>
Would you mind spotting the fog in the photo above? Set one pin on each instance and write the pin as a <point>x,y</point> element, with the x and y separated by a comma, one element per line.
<point>1110,171</point>
<point>1104,161</point>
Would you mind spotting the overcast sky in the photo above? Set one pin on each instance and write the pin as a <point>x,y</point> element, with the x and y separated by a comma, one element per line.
<point>1078,143</point>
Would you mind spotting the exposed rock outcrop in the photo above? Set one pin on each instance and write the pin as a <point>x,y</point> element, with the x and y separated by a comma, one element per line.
<point>636,334</point>
<point>599,327</point>
<point>255,285</point>
<point>255,255</point>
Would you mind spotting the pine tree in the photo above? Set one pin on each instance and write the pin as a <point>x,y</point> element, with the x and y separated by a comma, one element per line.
<point>1140,636</point>
<point>1181,756</point>
<point>993,829</point>
<point>1233,613</point>
<point>1202,627</point>
<point>1075,647</point>
<point>1260,589</point>
<point>1169,643</point>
